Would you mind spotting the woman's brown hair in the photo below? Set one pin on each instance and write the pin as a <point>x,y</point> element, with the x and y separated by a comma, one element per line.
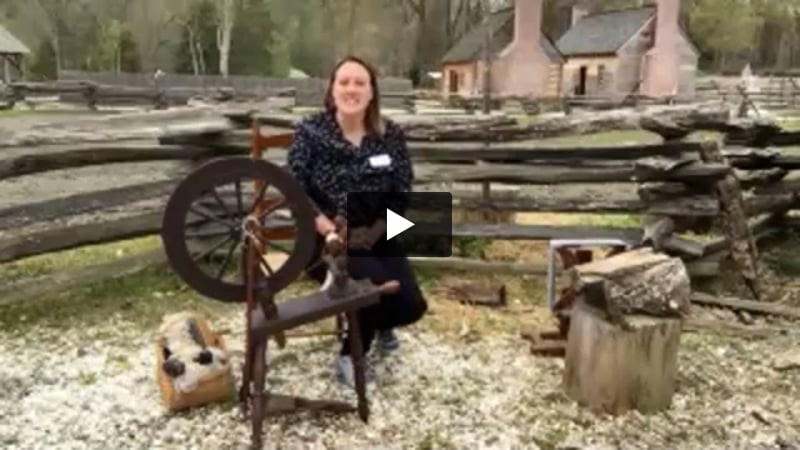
<point>372,118</point>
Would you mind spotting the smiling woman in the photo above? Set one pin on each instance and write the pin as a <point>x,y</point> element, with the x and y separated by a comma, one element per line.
<point>349,148</point>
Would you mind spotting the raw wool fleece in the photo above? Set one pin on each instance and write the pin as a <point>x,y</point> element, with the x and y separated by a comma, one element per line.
<point>176,331</point>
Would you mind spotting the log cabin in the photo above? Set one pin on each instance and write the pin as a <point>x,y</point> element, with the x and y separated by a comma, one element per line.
<point>523,60</point>
<point>12,50</point>
<point>639,51</point>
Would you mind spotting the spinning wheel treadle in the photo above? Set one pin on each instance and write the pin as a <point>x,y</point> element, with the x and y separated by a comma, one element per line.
<point>211,205</point>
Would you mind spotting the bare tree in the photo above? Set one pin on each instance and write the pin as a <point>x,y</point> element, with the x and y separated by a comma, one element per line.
<point>226,21</point>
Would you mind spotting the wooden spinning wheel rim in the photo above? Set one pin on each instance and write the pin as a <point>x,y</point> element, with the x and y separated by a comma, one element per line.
<point>224,171</point>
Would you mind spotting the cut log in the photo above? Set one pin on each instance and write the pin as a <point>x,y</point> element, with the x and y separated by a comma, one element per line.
<point>612,370</point>
<point>634,282</point>
<point>734,222</point>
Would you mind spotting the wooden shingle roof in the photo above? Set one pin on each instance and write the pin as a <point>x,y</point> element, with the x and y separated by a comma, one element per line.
<point>603,33</point>
<point>10,44</point>
<point>501,24</point>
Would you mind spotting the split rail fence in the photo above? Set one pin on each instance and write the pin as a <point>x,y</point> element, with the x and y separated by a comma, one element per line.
<point>686,187</point>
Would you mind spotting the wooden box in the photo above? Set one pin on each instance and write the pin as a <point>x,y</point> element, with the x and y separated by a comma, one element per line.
<point>214,390</point>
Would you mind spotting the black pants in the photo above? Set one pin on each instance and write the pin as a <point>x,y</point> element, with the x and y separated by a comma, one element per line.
<point>403,307</point>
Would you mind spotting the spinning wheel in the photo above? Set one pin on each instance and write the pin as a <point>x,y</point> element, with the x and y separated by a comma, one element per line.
<point>207,216</point>
<point>218,225</point>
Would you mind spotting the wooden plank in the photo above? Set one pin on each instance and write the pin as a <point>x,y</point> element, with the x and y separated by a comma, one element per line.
<point>121,127</point>
<point>29,213</point>
<point>102,154</point>
<point>65,238</point>
<point>695,268</point>
<point>674,243</point>
<point>756,307</point>
<point>760,228</point>
<point>788,162</point>
<point>734,223</point>
<point>438,173</point>
<point>68,279</point>
<point>729,329</point>
<point>468,151</point>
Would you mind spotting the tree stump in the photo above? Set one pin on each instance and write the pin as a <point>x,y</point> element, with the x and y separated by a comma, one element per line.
<point>613,370</point>
<point>624,332</point>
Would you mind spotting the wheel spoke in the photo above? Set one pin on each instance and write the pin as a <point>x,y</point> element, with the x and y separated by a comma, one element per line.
<point>206,214</point>
<point>239,206</point>
<point>227,261</point>
<point>272,208</point>
<point>207,233</point>
<point>213,248</point>
<point>222,204</point>
<point>259,196</point>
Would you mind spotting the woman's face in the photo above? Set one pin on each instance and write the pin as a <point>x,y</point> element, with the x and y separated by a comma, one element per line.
<point>351,89</point>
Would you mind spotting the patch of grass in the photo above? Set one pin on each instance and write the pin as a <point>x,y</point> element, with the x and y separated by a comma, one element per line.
<point>785,259</point>
<point>471,247</point>
<point>592,220</point>
<point>464,323</point>
<point>435,440</point>
<point>74,258</point>
<point>87,378</point>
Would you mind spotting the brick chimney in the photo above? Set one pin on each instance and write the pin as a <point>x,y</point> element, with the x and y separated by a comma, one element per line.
<point>664,66</point>
<point>526,65</point>
<point>527,22</point>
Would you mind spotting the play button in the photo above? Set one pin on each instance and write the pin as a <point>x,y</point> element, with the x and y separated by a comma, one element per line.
<point>396,224</point>
<point>417,223</point>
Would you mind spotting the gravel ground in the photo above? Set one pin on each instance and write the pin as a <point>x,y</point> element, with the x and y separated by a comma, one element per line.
<point>93,387</point>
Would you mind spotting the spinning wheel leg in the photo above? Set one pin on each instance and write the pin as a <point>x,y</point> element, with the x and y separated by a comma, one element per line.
<point>357,356</point>
<point>259,398</point>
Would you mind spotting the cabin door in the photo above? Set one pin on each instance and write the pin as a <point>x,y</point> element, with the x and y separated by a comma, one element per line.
<point>580,86</point>
<point>452,81</point>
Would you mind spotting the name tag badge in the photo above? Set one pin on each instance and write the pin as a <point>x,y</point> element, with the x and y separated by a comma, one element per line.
<point>382,160</point>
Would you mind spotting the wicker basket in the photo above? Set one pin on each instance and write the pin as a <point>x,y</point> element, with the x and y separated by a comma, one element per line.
<point>214,390</point>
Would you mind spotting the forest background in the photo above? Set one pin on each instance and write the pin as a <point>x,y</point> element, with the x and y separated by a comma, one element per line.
<point>404,38</point>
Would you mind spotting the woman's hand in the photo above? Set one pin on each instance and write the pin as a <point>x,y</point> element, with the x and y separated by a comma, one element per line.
<point>324,225</point>
<point>365,237</point>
